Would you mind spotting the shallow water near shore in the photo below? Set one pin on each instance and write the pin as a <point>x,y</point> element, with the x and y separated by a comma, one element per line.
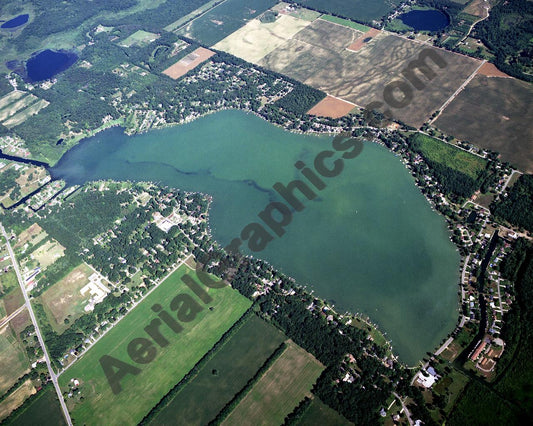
<point>369,241</point>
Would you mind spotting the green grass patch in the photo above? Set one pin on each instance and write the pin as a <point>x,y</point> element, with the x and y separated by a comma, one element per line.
<point>345,22</point>
<point>450,156</point>
<point>222,376</point>
<point>140,392</point>
<point>319,414</point>
<point>139,38</point>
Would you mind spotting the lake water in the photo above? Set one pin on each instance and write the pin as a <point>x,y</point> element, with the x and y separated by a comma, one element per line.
<point>48,63</point>
<point>425,20</point>
<point>16,21</point>
<point>369,242</point>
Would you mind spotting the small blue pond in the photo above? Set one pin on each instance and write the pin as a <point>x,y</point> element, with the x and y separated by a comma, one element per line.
<point>425,20</point>
<point>48,63</point>
<point>16,21</point>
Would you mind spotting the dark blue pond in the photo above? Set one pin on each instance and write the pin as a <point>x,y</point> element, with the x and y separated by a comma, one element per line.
<point>425,20</point>
<point>16,22</point>
<point>49,63</point>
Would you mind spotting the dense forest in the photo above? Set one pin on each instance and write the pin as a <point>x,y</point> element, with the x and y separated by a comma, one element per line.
<point>56,17</point>
<point>517,207</point>
<point>508,32</point>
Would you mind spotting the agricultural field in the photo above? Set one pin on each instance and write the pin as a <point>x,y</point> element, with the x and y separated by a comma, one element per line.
<point>317,56</point>
<point>43,406</point>
<point>448,155</point>
<point>256,39</point>
<point>331,107</point>
<point>189,62</point>
<point>64,301</point>
<point>279,390</point>
<point>318,414</point>
<point>13,362</point>
<point>223,20</point>
<point>139,38</point>
<point>13,300</point>
<point>490,113</point>
<point>16,399</point>
<point>360,10</point>
<point>17,106</point>
<point>222,376</point>
<point>346,23</point>
<point>160,365</point>
<point>32,235</point>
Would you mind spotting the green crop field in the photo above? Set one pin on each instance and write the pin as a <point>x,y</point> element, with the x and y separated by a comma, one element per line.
<point>279,390</point>
<point>455,158</point>
<point>224,19</point>
<point>360,10</point>
<point>345,22</point>
<point>157,368</point>
<point>43,406</point>
<point>223,375</point>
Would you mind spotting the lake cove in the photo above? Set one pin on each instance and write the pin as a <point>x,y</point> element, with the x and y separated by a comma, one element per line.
<point>369,241</point>
<point>17,21</point>
<point>46,64</point>
<point>425,20</point>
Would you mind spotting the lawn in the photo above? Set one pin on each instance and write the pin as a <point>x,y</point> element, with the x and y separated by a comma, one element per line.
<point>279,390</point>
<point>138,393</point>
<point>224,19</point>
<point>448,155</point>
<point>13,362</point>
<point>223,375</point>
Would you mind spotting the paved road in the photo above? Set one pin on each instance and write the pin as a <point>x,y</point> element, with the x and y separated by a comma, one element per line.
<point>36,325</point>
<point>406,411</point>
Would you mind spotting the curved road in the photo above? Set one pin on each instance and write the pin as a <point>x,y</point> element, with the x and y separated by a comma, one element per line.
<point>36,325</point>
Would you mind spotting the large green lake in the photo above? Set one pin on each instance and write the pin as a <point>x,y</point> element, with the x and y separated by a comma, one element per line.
<point>369,241</point>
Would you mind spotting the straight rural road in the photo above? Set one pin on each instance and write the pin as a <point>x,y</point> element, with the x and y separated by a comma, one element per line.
<point>36,325</point>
